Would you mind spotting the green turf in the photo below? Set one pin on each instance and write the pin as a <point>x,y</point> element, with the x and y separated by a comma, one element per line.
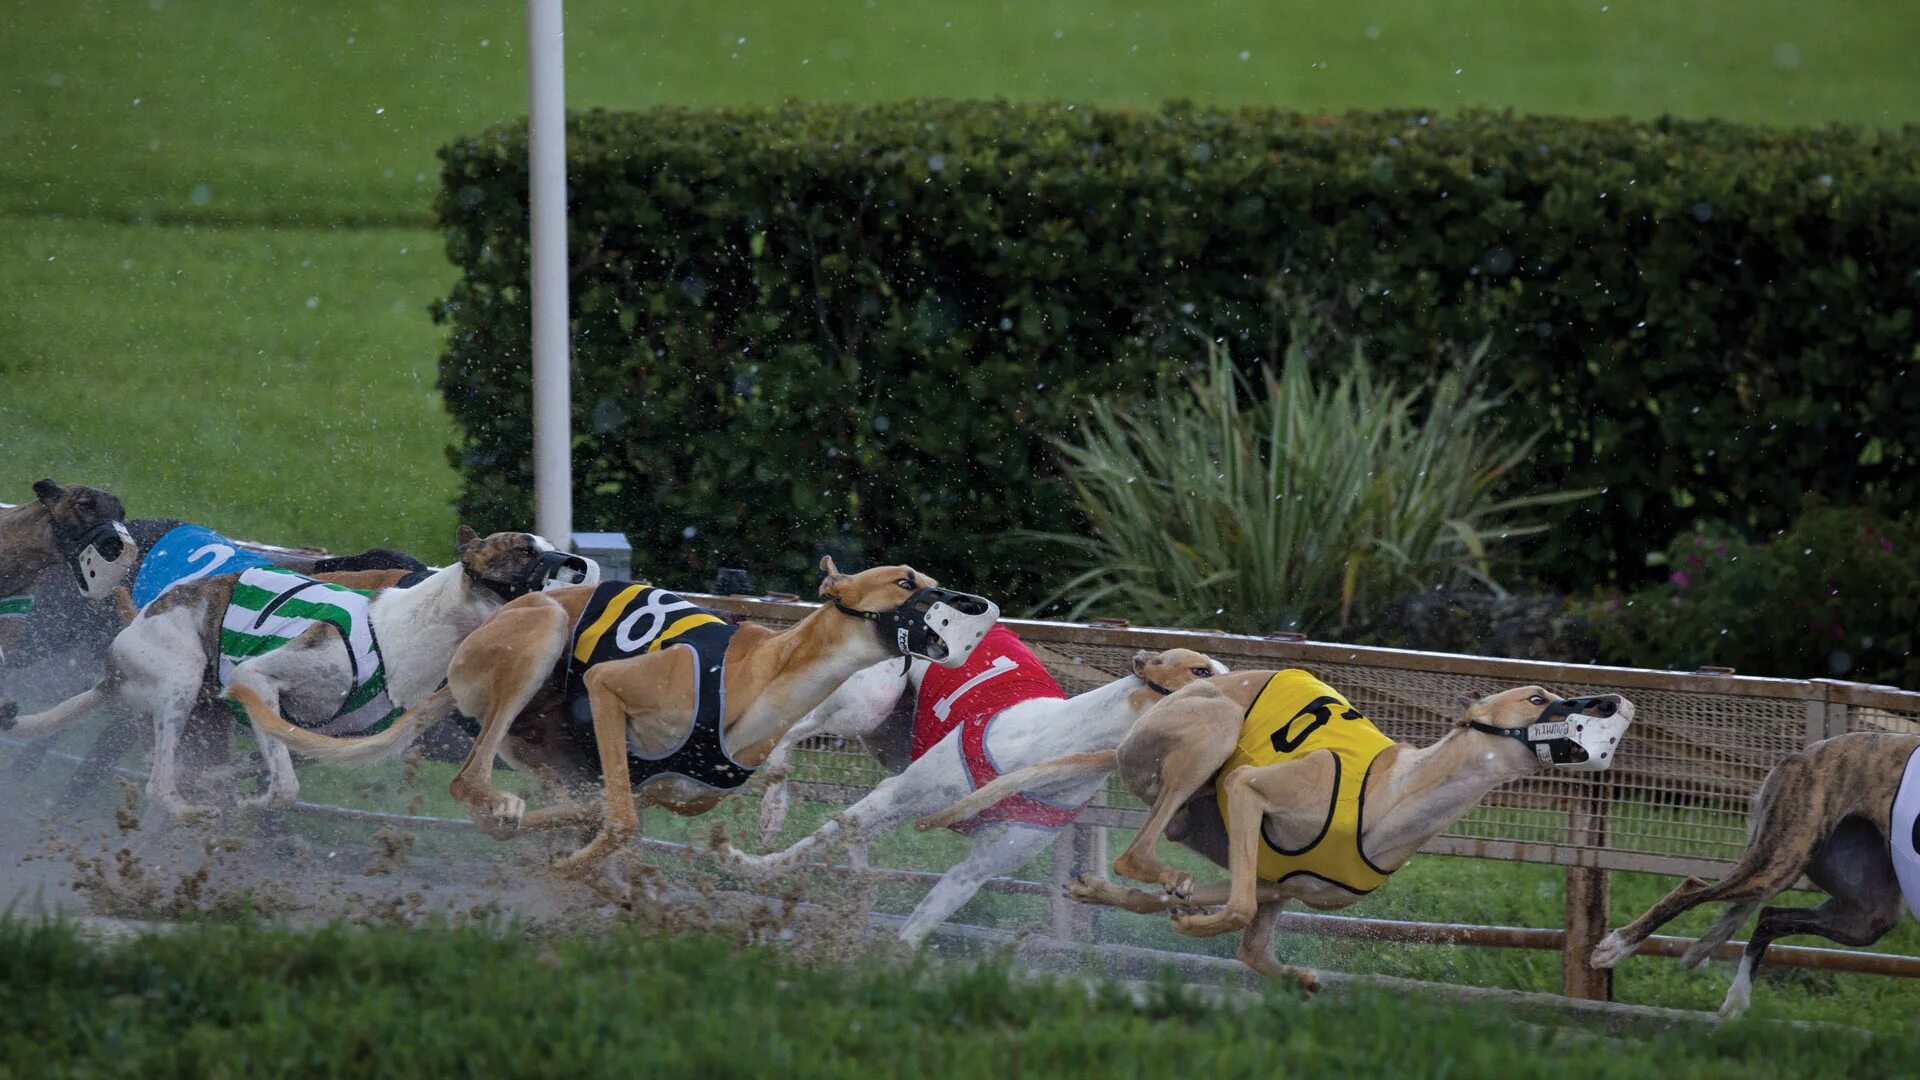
<point>308,132</point>
<point>332,111</point>
<point>224,1001</point>
<point>274,384</point>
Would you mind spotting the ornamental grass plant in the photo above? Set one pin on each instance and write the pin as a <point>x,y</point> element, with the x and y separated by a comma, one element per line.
<point>1291,500</point>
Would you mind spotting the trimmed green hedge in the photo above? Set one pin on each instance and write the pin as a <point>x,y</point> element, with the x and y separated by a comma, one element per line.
<point>857,328</point>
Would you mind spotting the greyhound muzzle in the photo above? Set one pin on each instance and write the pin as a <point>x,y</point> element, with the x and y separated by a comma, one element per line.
<point>100,557</point>
<point>939,625</point>
<point>551,570</point>
<point>1579,734</point>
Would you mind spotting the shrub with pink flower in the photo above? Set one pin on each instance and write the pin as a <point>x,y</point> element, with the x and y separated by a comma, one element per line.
<point>1835,596</point>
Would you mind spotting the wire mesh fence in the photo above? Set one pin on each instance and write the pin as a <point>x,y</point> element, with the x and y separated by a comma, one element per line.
<point>1675,801</point>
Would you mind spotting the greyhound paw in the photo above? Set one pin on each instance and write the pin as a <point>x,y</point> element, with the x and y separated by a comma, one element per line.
<point>9,713</point>
<point>507,812</point>
<point>1739,995</point>
<point>734,859</point>
<point>1087,888</point>
<point>1612,949</point>
<point>1177,883</point>
<point>268,801</point>
<point>185,813</point>
<point>1211,924</point>
<point>1309,983</point>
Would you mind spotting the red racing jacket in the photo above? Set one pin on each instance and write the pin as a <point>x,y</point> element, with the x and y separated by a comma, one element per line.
<point>1001,673</point>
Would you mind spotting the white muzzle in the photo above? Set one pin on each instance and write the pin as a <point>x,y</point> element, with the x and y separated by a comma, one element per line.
<point>98,574</point>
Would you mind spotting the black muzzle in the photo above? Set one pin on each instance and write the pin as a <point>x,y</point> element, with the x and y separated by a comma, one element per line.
<point>550,569</point>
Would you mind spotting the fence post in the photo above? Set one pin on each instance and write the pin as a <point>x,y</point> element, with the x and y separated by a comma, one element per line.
<point>1082,849</point>
<point>1587,901</point>
<point>1817,718</point>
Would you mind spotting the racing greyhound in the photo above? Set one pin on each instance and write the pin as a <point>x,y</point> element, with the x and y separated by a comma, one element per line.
<point>1276,776</point>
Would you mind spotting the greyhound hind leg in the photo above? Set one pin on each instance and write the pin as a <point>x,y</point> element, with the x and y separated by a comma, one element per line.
<point>1170,755</point>
<point>1863,903</point>
<point>1787,829</point>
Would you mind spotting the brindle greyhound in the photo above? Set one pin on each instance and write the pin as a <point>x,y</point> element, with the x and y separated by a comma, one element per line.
<point>508,675</point>
<point>1173,758</point>
<point>1823,812</point>
<point>80,526</point>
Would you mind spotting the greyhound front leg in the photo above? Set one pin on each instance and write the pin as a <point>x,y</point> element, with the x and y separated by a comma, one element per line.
<point>610,736</point>
<point>494,675</point>
<point>997,851</point>
<point>894,800</point>
<point>775,800</point>
<point>1245,806</point>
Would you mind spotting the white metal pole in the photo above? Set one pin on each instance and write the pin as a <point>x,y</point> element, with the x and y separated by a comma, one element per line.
<point>547,166</point>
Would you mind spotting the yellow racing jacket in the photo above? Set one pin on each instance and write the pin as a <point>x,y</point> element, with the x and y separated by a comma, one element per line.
<point>1295,715</point>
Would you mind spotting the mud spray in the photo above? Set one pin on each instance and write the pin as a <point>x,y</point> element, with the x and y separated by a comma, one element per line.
<point>80,841</point>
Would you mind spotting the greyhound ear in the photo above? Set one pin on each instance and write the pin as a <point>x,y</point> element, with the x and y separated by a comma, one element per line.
<point>830,584</point>
<point>47,490</point>
<point>1468,699</point>
<point>1141,659</point>
<point>464,535</point>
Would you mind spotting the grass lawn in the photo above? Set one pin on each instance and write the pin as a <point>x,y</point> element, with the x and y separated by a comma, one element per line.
<point>276,384</point>
<point>225,1001</point>
<point>273,376</point>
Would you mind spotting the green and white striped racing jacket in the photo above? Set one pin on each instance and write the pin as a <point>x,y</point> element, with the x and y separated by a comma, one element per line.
<point>271,607</point>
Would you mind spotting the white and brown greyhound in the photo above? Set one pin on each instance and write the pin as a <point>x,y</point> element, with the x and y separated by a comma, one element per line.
<point>1001,710</point>
<point>634,690</point>
<point>274,640</point>
<point>1846,813</point>
<point>1277,777</point>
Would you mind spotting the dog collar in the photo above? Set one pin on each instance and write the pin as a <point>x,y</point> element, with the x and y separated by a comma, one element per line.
<point>1154,686</point>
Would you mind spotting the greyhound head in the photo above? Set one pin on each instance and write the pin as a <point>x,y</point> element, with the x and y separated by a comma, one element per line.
<point>1578,733</point>
<point>508,565</point>
<point>1165,672</point>
<point>88,531</point>
<point>910,612</point>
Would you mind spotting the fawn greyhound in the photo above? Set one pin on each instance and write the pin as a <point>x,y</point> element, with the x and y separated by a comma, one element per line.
<point>638,691</point>
<point>1277,777</point>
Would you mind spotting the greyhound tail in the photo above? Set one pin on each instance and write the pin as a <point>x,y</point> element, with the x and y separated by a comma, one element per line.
<point>352,752</point>
<point>66,714</point>
<point>1095,761</point>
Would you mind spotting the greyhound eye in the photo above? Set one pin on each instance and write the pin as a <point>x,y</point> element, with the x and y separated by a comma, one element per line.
<point>1537,700</point>
<point>905,583</point>
<point>1201,672</point>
